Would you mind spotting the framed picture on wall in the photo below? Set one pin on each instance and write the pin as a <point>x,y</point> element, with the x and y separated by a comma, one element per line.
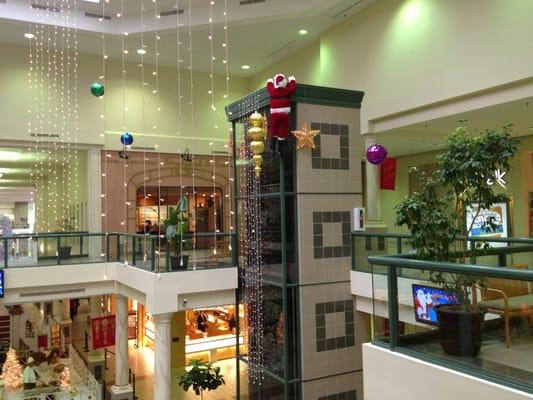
<point>494,222</point>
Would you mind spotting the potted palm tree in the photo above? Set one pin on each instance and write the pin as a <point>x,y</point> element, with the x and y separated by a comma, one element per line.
<point>438,226</point>
<point>201,376</point>
<point>176,225</point>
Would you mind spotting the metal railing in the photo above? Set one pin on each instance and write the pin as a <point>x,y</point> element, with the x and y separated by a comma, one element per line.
<point>507,335</point>
<point>145,251</point>
<point>503,251</point>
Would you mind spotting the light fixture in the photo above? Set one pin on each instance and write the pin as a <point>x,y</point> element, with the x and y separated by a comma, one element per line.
<point>141,51</point>
<point>303,32</point>
<point>93,1</point>
<point>245,67</point>
<point>29,35</point>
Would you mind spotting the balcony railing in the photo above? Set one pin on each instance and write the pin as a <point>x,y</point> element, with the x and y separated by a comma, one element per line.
<point>149,252</point>
<point>407,320</point>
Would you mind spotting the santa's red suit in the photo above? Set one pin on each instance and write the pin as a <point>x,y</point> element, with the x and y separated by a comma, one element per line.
<point>280,90</point>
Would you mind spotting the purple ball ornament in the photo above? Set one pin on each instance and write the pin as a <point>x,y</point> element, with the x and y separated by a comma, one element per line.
<point>376,154</point>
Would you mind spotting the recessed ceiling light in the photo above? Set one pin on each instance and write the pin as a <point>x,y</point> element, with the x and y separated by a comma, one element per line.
<point>303,32</point>
<point>245,67</point>
<point>29,35</point>
<point>141,51</point>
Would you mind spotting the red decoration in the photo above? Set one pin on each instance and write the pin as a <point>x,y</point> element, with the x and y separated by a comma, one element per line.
<point>103,331</point>
<point>388,174</point>
<point>280,90</point>
<point>42,341</point>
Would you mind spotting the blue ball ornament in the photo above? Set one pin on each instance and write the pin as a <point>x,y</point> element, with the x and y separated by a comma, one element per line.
<point>126,139</point>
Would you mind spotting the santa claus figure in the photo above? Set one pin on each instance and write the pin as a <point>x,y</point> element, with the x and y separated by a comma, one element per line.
<point>280,90</point>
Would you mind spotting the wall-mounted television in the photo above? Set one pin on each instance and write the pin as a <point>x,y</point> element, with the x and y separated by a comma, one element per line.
<point>1,283</point>
<point>425,298</point>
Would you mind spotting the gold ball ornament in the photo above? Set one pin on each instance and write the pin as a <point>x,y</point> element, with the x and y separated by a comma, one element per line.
<point>256,133</point>
<point>257,147</point>
<point>256,120</point>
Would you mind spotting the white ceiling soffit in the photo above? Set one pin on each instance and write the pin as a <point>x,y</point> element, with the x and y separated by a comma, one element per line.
<point>431,135</point>
<point>259,34</point>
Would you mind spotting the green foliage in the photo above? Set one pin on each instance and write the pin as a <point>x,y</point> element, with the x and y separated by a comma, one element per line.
<point>464,170</point>
<point>201,376</point>
<point>177,224</point>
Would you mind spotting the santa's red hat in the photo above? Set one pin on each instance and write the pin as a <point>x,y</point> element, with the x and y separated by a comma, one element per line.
<point>280,81</point>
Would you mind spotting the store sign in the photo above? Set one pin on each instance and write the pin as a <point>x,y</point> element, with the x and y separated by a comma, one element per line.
<point>103,331</point>
<point>498,178</point>
<point>1,284</point>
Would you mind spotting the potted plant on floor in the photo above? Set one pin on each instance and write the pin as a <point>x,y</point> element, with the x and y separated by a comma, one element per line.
<point>176,225</point>
<point>465,175</point>
<point>201,376</point>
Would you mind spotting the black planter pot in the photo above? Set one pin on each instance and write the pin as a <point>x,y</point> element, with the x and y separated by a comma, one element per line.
<point>64,252</point>
<point>179,262</point>
<point>460,331</point>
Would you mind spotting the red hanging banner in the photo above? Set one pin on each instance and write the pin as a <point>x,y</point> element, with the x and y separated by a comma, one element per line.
<point>103,331</point>
<point>388,174</point>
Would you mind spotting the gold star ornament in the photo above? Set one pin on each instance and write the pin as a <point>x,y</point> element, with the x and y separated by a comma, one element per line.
<point>305,137</point>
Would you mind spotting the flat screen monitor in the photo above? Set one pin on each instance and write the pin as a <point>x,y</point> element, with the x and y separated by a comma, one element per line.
<point>1,283</point>
<point>425,298</point>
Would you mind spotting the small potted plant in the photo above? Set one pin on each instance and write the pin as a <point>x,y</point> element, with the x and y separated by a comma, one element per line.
<point>436,217</point>
<point>66,224</point>
<point>176,225</point>
<point>201,376</point>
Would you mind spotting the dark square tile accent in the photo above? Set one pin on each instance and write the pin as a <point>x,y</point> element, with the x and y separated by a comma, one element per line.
<point>320,333</point>
<point>350,329</point>
<point>348,305</point>
<point>325,343</point>
<point>342,132</point>
<point>381,244</point>
<point>343,248</point>
<point>345,164</point>
<point>346,251</point>
<point>350,395</point>
<point>350,340</point>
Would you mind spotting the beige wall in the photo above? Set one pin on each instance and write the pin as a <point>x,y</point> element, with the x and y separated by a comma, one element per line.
<point>208,125</point>
<point>519,178</point>
<point>410,53</point>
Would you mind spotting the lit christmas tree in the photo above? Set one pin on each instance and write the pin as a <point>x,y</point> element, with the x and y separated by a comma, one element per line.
<point>12,372</point>
<point>64,379</point>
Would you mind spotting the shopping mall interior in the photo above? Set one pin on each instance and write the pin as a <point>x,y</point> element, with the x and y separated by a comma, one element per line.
<point>266,199</point>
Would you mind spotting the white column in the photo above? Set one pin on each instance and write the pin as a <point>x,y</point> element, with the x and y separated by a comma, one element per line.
<point>94,200</point>
<point>95,307</point>
<point>121,341</point>
<point>162,381</point>
<point>373,201</point>
<point>15,332</point>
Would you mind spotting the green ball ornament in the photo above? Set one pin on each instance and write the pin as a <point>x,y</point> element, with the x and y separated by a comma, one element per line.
<point>97,89</point>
